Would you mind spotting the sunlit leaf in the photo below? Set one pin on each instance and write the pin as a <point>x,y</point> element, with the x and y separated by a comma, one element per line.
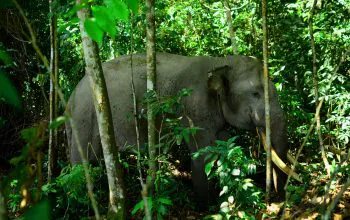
<point>58,122</point>
<point>104,20</point>
<point>118,9</point>
<point>165,201</point>
<point>93,30</point>
<point>133,5</point>
<point>230,199</point>
<point>213,217</point>
<point>137,207</point>
<point>208,167</point>
<point>236,172</point>
<point>76,8</point>
<point>224,190</point>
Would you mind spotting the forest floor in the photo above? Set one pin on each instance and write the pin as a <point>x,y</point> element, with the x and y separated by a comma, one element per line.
<point>309,208</point>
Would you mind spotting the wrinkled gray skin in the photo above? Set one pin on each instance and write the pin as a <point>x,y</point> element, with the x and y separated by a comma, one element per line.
<point>225,90</point>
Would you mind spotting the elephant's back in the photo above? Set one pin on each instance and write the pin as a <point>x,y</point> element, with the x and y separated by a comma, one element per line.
<point>174,72</point>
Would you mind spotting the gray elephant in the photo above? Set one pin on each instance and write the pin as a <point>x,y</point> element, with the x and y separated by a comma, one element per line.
<point>225,90</point>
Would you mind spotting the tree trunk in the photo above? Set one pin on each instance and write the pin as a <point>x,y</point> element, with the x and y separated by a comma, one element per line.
<point>267,102</point>
<point>151,88</point>
<point>105,123</point>
<point>52,152</point>
<point>230,27</point>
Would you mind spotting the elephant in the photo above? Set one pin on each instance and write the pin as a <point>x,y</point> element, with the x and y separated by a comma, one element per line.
<point>224,90</point>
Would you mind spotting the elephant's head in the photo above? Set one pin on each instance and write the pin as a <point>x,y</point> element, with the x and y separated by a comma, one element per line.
<point>239,84</point>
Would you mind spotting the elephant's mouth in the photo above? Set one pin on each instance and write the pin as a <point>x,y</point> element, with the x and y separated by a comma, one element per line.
<point>255,120</point>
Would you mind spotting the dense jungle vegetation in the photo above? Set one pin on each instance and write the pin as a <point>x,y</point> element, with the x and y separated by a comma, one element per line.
<point>309,64</point>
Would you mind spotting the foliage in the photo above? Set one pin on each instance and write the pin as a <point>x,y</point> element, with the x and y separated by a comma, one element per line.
<point>8,92</point>
<point>227,162</point>
<point>172,133</point>
<point>69,191</point>
<point>14,198</point>
<point>189,27</point>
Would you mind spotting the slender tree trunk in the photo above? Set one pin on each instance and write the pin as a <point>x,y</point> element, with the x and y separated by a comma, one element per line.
<point>52,153</point>
<point>105,123</point>
<point>151,87</point>
<point>144,191</point>
<point>315,85</point>
<point>267,102</point>
<point>230,27</point>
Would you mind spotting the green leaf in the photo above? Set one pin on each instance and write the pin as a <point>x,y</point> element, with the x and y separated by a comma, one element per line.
<point>150,203</point>
<point>58,122</point>
<point>73,11</point>
<point>5,4</point>
<point>137,207</point>
<point>133,5</point>
<point>165,201</point>
<point>208,167</point>
<point>29,134</point>
<point>178,139</point>
<point>186,135</point>
<point>161,210</point>
<point>39,211</point>
<point>224,190</point>
<point>93,30</point>
<point>8,91</point>
<point>4,57</point>
<point>213,217</point>
<point>104,20</point>
<point>118,9</point>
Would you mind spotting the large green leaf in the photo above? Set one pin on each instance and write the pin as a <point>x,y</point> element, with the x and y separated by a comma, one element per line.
<point>93,30</point>
<point>133,5</point>
<point>104,20</point>
<point>6,4</point>
<point>139,206</point>
<point>40,211</point>
<point>8,91</point>
<point>5,57</point>
<point>118,9</point>
<point>165,201</point>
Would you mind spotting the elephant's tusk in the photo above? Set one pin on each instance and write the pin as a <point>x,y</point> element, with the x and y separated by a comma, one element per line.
<point>277,160</point>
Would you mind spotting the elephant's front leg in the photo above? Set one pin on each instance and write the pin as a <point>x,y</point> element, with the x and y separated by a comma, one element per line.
<point>204,192</point>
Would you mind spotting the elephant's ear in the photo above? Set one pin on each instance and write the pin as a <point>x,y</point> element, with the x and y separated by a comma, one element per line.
<point>217,79</point>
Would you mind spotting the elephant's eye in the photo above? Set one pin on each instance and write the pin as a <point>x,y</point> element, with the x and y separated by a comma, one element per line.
<point>256,95</point>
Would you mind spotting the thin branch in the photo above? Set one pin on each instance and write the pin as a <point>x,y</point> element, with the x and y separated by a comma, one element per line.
<point>315,85</point>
